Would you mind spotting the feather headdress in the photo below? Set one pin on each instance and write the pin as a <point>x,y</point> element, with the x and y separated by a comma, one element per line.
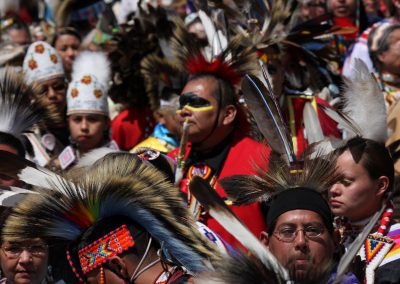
<point>240,269</point>
<point>363,98</point>
<point>231,64</point>
<point>160,74</point>
<point>317,173</point>
<point>116,186</point>
<point>17,114</point>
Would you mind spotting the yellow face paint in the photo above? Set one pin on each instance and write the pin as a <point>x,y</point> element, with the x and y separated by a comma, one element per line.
<point>195,109</point>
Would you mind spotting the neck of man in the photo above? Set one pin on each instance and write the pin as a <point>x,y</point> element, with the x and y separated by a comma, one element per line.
<point>214,139</point>
<point>150,275</point>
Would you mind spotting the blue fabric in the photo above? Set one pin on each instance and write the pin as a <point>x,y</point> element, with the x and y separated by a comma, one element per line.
<point>348,278</point>
<point>161,132</point>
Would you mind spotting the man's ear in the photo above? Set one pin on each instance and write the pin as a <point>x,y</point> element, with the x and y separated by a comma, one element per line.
<point>118,265</point>
<point>383,184</point>
<point>264,239</point>
<point>159,117</point>
<point>229,114</point>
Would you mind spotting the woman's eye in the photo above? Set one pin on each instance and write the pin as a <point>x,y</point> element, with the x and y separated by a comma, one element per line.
<point>346,182</point>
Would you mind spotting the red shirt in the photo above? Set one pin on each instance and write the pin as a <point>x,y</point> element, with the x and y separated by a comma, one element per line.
<point>132,126</point>
<point>243,154</point>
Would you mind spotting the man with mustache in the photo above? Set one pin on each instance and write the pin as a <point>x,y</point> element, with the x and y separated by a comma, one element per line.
<point>300,235</point>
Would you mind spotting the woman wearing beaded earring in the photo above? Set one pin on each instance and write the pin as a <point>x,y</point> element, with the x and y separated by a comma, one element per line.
<point>365,188</point>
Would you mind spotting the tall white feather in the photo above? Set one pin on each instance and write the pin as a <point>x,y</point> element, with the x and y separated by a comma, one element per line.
<point>364,103</point>
<point>94,63</point>
<point>91,157</point>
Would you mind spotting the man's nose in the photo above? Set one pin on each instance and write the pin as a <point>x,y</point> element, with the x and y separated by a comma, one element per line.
<point>25,256</point>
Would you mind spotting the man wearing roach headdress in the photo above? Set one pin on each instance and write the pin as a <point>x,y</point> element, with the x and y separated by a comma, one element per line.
<point>217,132</point>
<point>119,222</point>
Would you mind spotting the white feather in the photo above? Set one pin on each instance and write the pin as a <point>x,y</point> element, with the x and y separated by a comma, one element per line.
<point>93,63</point>
<point>365,104</point>
<point>91,157</point>
<point>312,124</point>
<point>16,115</point>
<point>10,196</point>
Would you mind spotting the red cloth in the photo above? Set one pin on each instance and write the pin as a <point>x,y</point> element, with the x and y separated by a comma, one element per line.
<point>242,156</point>
<point>329,126</point>
<point>132,126</point>
<point>346,22</point>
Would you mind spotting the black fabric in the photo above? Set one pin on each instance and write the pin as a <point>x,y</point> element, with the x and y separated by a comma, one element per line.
<point>388,273</point>
<point>299,198</point>
<point>214,158</point>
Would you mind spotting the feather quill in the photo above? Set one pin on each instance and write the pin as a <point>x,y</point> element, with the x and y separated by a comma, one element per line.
<point>28,172</point>
<point>312,125</point>
<point>216,207</point>
<point>91,157</point>
<point>267,116</point>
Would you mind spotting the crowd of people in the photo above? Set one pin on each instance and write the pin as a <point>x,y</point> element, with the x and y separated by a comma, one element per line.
<point>199,141</point>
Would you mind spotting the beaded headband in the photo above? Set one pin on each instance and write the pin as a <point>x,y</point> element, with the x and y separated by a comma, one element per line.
<point>101,250</point>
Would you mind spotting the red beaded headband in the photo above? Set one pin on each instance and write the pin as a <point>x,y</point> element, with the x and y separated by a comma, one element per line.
<point>101,250</point>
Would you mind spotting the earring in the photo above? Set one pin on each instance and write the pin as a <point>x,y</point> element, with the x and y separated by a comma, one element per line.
<point>102,277</point>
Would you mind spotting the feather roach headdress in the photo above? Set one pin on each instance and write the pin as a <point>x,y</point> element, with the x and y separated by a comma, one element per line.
<point>117,185</point>
<point>316,173</point>
<point>231,64</point>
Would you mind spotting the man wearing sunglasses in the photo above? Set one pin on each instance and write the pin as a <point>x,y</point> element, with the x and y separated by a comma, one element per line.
<point>218,146</point>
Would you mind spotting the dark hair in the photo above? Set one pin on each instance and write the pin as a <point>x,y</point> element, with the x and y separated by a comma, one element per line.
<point>382,43</point>
<point>372,156</point>
<point>13,142</point>
<point>66,31</point>
<point>224,92</point>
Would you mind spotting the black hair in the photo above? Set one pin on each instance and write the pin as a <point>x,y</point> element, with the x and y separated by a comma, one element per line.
<point>13,142</point>
<point>372,156</point>
<point>224,92</point>
<point>382,44</point>
<point>66,31</point>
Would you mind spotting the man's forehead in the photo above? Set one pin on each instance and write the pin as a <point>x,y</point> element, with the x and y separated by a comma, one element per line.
<point>299,216</point>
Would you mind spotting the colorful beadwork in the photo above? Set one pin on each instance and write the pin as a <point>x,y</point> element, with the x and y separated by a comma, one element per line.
<point>101,250</point>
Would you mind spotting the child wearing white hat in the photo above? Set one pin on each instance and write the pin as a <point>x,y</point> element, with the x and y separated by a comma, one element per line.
<point>87,108</point>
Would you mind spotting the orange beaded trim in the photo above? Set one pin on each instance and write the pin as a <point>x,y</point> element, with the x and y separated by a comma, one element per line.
<point>101,250</point>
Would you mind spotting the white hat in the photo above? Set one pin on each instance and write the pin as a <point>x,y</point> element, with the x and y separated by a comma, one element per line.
<point>42,62</point>
<point>87,91</point>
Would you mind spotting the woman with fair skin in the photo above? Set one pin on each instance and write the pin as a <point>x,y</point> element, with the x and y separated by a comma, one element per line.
<point>23,262</point>
<point>367,181</point>
<point>67,42</point>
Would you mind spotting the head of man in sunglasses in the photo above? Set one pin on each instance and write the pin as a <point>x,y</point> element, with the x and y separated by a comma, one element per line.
<point>207,103</point>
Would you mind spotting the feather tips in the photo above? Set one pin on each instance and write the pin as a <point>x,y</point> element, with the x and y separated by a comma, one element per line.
<point>17,114</point>
<point>317,173</point>
<point>363,98</point>
<point>94,63</point>
<point>267,116</point>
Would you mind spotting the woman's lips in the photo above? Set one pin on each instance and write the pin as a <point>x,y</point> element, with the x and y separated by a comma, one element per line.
<point>335,203</point>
